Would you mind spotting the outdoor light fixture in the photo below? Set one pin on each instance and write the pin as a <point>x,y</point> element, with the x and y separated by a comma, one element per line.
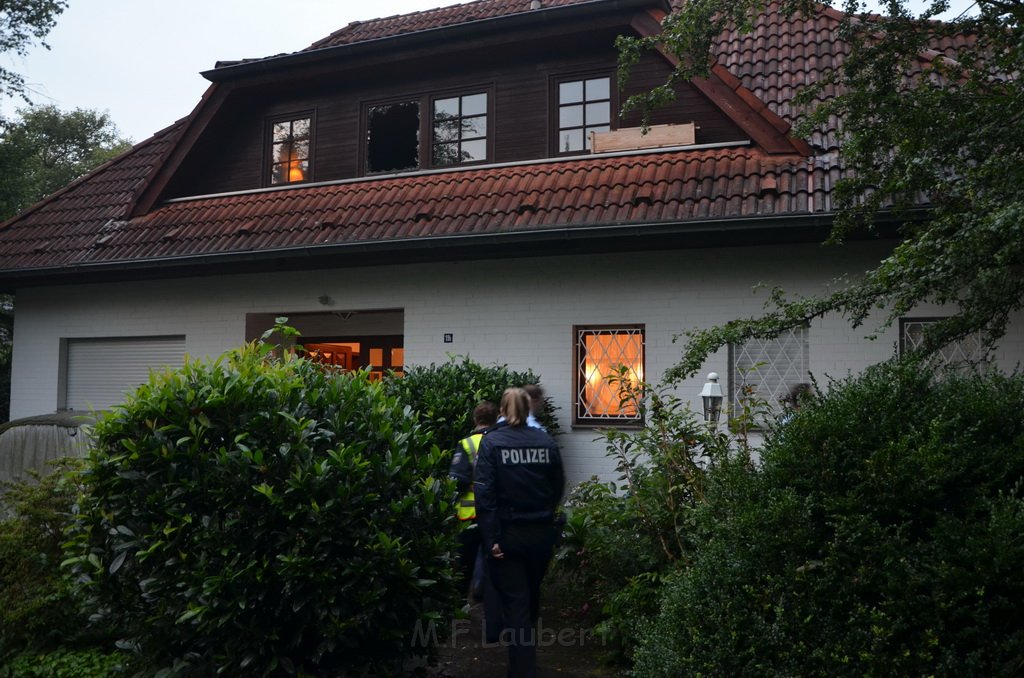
<point>712,396</point>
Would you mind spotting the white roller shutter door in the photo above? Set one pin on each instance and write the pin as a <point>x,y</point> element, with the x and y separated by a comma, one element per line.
<point>99,372</point>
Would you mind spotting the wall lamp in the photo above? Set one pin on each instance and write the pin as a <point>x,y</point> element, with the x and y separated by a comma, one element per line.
<point>712,396</point>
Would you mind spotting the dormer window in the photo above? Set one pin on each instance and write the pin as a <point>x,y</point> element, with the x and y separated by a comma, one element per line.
<point>290,150</point>
<point>460,129</point>
<point>393,137</point>
<point>454,131</point>
<point>584,106</point>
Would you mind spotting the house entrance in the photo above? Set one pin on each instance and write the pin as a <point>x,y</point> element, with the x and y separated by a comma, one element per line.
<point>351,340</point>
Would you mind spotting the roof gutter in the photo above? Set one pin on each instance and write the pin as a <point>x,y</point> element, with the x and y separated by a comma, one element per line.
<point>718,232</point>
<point>507,22</point>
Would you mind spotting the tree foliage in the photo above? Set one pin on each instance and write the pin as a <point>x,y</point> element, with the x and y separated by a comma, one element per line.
<point>47,148</point>
<point>930,113</point>
<point>22,24</point>
<point>42,151</point>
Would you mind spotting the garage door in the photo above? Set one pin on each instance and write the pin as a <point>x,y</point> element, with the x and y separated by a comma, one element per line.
<point>98,372</point>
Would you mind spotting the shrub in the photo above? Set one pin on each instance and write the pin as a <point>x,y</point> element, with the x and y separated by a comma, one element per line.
<point>63,663</point>
<point>881,537</point>
<point>39,608</point>
<point>255,516</point>
<point>443,396</point>
<point>622,538</point>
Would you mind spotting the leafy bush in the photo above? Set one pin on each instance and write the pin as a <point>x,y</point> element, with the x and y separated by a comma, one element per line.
<point>63,663</point>
<point>444,395</point>
<point>256,516</point>
<point>622,538</point>
<point>881,537</point>
<point>39,608</point>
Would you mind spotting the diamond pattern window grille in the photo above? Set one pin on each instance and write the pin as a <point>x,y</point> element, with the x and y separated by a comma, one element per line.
<point>965,352</point>
<point>599,352</point>
<point>769,366</point>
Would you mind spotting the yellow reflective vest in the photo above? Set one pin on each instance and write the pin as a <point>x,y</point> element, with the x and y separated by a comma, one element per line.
<point>467,502</point>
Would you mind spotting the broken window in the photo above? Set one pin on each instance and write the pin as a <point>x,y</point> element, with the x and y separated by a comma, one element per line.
<point>393,137</point>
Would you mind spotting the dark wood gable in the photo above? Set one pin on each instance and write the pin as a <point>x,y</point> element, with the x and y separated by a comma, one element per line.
<point>518,69</point>
<point>117,223</point>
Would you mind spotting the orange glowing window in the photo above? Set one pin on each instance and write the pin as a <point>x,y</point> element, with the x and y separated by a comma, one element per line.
<point>600,353</point>
<point>290,149</point>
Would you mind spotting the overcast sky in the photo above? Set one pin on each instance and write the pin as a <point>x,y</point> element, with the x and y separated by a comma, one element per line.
<point>139,60</point>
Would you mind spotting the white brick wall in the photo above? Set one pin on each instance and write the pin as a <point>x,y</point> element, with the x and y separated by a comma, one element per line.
<point>519,312</point>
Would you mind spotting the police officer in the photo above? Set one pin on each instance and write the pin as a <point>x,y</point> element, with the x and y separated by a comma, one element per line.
<point>519,483</point>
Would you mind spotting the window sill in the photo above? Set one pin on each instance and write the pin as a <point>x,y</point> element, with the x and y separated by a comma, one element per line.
<point>623,425</point>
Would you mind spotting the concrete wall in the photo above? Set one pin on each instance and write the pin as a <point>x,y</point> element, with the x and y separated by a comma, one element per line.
<point>519,312</point>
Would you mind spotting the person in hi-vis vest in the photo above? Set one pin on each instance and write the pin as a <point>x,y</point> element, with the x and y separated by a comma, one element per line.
<point>463,462</point>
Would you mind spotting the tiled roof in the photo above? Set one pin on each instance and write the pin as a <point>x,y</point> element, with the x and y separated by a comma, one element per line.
<point>89,222</point>
<point>635,189</point>
<point>88,203</point>
<point>782,54</point>
<point>400,24</point>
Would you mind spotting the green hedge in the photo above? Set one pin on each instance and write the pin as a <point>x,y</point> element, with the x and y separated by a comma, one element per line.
<point>881,537</point>
<point>256,516</point>
<point>443,396</point>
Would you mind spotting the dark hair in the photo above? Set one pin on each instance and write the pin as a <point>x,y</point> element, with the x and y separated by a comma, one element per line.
<point>515,406</point>
<point>797,394</point>
<point>536,395</point>
<point>534,391</point>
<point>485,413</point>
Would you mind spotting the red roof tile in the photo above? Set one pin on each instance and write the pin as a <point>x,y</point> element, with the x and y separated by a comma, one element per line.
<point>781,55</point>
<point>89,222</point>
<point>596,191</point>
<point>401,24</point>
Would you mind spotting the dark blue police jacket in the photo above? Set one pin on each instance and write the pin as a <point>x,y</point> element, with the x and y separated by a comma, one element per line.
<point>519,478</point>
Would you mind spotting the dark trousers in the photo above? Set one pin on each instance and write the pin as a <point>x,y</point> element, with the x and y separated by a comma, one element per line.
<point>516,579</point>
<point>469,547</point>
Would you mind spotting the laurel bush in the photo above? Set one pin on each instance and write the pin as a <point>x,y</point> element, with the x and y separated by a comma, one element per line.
<point>261,516</point>
<point>444,395</point>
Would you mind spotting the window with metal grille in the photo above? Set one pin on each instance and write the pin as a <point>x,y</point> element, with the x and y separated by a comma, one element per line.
<point>961,353</point>
<point>600,352</point>
<point>584,106</point>
<point>766,369</point>
<point>290,149</point>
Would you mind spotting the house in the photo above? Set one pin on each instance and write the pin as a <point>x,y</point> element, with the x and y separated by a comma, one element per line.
<point>456,181</point>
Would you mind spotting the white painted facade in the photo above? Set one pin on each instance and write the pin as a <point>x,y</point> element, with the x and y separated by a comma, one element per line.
<point>515,311</point>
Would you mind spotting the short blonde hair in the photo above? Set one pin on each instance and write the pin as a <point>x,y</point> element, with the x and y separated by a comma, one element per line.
<point>515,406</point>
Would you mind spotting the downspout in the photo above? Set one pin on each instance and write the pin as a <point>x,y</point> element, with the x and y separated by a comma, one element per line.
<point>810,184</point>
